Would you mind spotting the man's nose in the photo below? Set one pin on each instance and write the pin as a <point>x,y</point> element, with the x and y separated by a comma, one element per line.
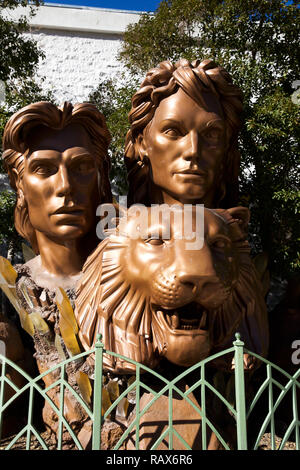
<point>63,186</point>
<point>193,146</point>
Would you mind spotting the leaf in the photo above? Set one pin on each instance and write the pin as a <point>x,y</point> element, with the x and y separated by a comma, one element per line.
<point>113,389</point>
<point>7,271</point>
<point>39,323</point>
<point>26,321</point>
<point>106,403</point>
<point>67,322</point>
<point>84,385</point>
<point>66,309</point>
<point>8,277</point>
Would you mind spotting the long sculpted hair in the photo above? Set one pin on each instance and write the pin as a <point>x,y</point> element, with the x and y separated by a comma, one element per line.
<point>195,78</point>
<point>15,147</point>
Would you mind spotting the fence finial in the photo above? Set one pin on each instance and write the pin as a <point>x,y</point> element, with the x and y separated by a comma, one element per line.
<point>98,342</point>
<point>238,341</point>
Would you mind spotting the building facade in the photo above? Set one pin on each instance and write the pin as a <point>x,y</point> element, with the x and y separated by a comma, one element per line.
<point>81,46</point>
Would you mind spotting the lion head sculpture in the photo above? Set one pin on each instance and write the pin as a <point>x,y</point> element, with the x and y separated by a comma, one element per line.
<point>151,296</point>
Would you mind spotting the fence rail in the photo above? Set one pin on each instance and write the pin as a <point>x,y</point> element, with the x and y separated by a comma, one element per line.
<point>270,391</point>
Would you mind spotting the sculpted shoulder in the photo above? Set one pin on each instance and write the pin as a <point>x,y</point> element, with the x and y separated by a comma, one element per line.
<point>48,280</point>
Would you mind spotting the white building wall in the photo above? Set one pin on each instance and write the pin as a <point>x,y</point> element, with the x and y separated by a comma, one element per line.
<point>76,62</point>
<point>80,45</point>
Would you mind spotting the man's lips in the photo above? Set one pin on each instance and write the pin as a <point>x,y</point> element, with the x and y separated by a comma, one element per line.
<point>69,210</point>
<point>191,172</point>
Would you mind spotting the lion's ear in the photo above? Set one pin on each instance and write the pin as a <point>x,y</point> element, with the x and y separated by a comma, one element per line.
<point>238,222</point>
<point>241,215</point>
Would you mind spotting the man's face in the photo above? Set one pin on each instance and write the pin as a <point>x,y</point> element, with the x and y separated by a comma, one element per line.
<point>60,182</point>
<point>185,144</point>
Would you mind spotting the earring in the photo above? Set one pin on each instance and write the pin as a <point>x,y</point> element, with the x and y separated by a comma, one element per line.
<point>143,162</point>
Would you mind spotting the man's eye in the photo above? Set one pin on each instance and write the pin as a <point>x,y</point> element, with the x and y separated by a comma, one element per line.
<point>45,170</point>
<point>85,166</point>
<point>213,134</point>
<point>154,241</point>
<point>173,132</point>
<point>220,244</point>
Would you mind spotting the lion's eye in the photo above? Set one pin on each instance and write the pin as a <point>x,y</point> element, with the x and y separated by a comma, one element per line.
<point>154,241</point>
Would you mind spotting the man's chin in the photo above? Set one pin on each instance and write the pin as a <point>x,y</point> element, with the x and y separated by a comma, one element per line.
<point>68,232</point>
<point>191,193</point>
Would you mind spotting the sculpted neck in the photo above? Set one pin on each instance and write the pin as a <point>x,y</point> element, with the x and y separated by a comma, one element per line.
<point>64,258</point>
<point>59,263</point>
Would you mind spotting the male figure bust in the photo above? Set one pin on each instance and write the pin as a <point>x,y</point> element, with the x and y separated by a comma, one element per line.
<point>57,162</point>
<point>182,146</point>
<point>182,143</point>
<point>181,149</point>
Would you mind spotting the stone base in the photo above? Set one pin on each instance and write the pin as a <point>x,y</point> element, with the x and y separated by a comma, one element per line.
<point>186,421</point>
<point>110,435</point>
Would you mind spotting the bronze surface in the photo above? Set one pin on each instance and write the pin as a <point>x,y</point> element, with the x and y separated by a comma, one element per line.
<point>153,298</point>
<point>182,141</point>
<point>58,164</point>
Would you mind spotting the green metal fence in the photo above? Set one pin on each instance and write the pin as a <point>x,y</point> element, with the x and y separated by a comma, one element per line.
<point>270,391</point>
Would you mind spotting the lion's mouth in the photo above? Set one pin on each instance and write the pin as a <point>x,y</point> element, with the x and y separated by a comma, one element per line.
<point>189,317</point>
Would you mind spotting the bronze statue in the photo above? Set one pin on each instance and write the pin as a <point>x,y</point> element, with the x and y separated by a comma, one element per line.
<point>152,297</point>
<point>149,294</point>
<point>181,149</point>
<point>182,142</point>
<point>57,162</point>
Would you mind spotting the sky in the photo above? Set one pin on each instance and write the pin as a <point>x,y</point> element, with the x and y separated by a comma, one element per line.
<point>133,5</point>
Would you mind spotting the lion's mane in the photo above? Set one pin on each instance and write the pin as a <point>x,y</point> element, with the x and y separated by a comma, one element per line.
<point>107,304</point>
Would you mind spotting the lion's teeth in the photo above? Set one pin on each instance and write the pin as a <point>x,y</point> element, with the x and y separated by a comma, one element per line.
<point>202,323</point>
<point>175,321</point>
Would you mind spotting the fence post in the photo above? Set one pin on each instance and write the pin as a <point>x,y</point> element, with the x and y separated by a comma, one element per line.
<point>97,402</point>
<point>241,421</point>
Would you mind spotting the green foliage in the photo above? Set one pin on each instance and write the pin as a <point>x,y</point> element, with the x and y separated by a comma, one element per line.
<point>8,233</point>
<point>270,143</point>
<point>115,102</point>
<point>234,32</point>
<point>257,41</point>
<point>19,56</point>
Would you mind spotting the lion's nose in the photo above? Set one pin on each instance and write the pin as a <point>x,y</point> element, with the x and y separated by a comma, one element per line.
<point>197,283</point>
<point>189,282</point>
